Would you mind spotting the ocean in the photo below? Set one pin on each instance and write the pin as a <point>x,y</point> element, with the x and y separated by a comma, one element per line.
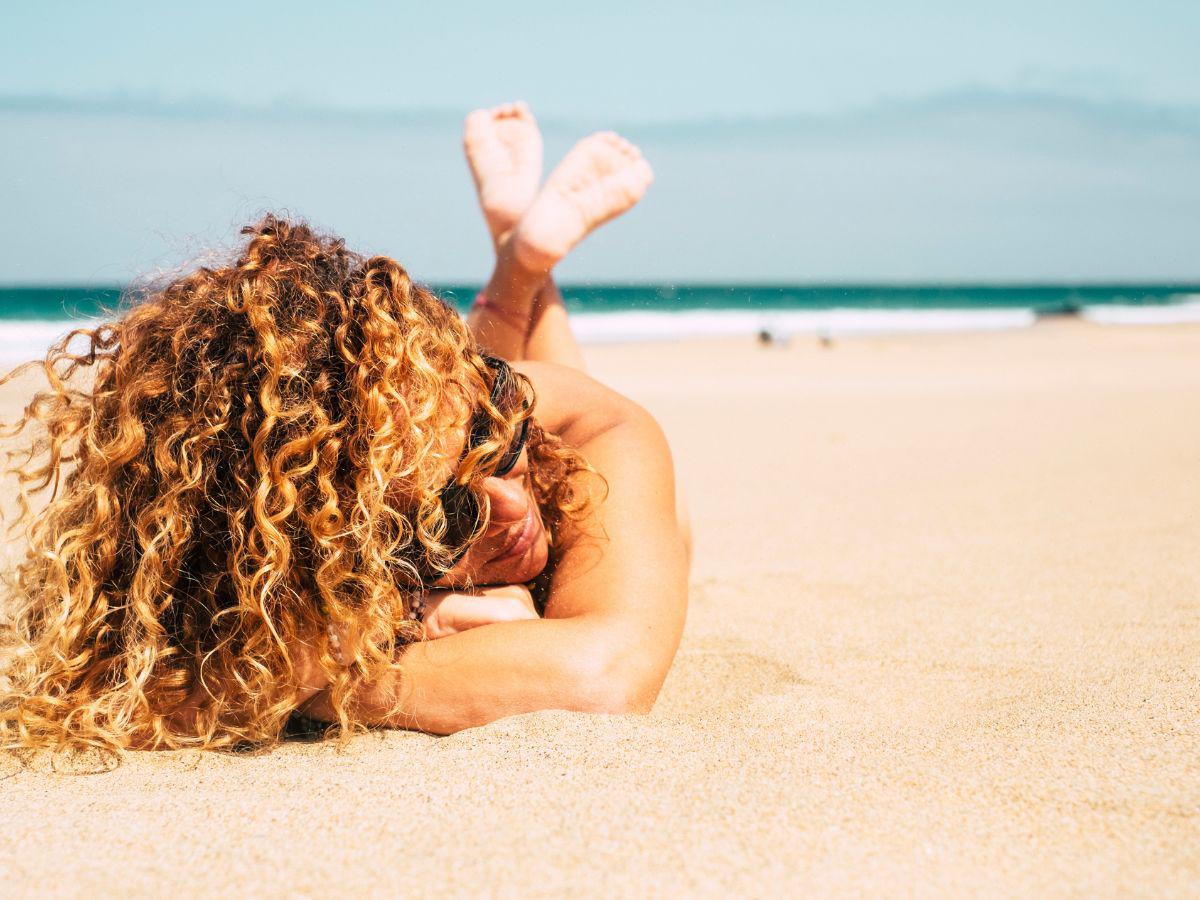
<point>30,317</point>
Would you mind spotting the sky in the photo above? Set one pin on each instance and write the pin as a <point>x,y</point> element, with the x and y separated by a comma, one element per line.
<point>792,141</point>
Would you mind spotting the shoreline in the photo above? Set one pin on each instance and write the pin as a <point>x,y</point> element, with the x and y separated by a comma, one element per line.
<point>779,326</point>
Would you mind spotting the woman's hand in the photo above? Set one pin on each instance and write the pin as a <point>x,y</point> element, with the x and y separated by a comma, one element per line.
<point>451,612</point>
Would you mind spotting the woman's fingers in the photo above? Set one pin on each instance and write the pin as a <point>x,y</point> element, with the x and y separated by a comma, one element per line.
<point>449,612</point>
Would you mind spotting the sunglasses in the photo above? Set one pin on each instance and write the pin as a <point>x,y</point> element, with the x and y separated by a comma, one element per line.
<point>461,508</point>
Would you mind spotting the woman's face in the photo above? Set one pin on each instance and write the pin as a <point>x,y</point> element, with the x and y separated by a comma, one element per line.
<point>514,548</point>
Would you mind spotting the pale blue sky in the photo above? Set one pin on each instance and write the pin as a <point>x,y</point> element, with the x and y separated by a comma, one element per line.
<point>792,141</point>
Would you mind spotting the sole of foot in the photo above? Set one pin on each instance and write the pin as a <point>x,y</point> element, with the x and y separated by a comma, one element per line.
<point>503,146</point>
<point>600,178</point>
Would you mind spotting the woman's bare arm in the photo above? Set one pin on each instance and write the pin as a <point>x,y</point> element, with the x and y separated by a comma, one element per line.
<point>616,606</point>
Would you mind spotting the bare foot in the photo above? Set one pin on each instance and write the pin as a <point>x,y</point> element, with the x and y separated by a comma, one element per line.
<point>504,150</point>
<point>601,177</point>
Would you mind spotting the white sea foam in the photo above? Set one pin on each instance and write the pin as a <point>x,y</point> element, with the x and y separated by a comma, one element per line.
<point>22,340</point>
<point>782,324</point>
<point>1187,310</point>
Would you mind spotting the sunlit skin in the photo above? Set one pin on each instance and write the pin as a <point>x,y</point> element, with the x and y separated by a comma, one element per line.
<point>503,146</point>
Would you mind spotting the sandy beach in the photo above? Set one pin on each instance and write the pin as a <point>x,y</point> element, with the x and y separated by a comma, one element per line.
<point>944,639</point>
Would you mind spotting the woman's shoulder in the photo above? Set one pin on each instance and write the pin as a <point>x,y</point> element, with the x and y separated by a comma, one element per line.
<point>574,405</point>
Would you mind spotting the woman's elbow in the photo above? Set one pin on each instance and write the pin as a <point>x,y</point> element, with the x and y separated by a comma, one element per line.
<point>612,685</point>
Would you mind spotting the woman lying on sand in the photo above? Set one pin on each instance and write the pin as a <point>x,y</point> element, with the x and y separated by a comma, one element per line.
<point>300,482</point>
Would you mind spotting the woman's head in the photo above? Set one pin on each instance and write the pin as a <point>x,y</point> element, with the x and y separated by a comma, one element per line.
<point>246,455</point>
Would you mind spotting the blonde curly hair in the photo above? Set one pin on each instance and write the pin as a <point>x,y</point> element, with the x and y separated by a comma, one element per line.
<point>243,457</point>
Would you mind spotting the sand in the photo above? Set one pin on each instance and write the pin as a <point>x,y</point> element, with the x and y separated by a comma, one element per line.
<point>944,638</point>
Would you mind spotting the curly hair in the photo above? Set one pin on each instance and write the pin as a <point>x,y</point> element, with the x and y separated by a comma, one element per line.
<point>241,458</point>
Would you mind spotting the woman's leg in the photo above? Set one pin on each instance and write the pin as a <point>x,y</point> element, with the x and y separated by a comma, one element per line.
<point>550,336</point>
<point>600,178</point>
<point>545,336</point>
<point>504,151</point>
<point>503,146</point>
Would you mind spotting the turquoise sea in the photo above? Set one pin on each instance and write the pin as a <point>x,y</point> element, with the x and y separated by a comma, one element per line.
<point>30,317</point>
<point>46,303</point>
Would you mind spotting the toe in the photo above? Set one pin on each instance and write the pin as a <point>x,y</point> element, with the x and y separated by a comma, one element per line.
<point>475,118</point>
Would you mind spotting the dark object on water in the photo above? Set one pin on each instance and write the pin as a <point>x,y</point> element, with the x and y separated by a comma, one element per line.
<point>1068,309</point>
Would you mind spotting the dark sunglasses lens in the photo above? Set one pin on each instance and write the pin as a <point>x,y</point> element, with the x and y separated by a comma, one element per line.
<point>506,396</point>
<point>513,453</point>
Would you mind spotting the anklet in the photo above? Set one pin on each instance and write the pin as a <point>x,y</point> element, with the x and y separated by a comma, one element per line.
<point>507,316</point>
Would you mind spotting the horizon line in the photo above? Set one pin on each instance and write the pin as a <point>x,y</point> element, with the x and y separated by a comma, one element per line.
<point>146,104</point>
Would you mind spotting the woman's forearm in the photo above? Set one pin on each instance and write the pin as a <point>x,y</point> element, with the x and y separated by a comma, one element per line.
<point>477,676</point>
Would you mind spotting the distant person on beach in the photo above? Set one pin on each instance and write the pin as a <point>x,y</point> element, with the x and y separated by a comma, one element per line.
<point>299,484</point>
